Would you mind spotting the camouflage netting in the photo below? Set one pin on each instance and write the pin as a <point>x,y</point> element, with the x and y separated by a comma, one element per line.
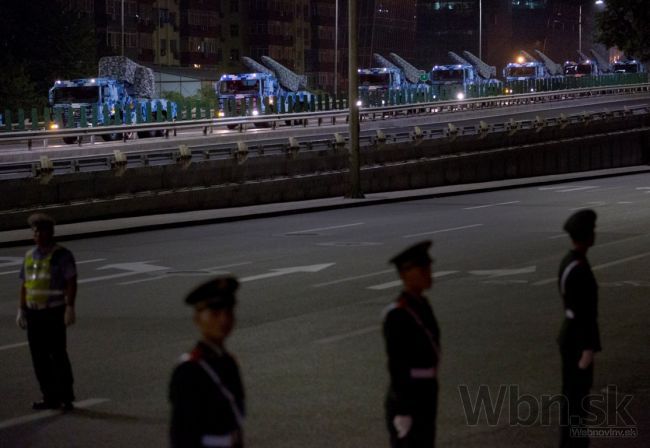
<point>126,70</point>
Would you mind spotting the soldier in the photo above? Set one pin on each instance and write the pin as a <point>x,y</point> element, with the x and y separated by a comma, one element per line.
<point>47,300</point>
<point>413,347</point>
<point>206,391</point>
<point>579,337</point>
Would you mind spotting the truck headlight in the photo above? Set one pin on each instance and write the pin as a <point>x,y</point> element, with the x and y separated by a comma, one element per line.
<point>54,126</point>
<point>271,101</point>
<point>255,112</point>
<point>221,114</point>
<point>359,103</point>
<point>460,96</point>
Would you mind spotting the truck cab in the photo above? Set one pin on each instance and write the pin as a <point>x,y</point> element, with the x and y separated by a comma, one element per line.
<point>453,78</point>
<point>580,69</point>
<point>255,86</point>
<point>78,94</point>
<point>633,66</point>
<point>524,71</point>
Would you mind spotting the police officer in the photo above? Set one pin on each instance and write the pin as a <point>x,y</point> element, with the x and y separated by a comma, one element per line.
<point>47,300</point>
<point>579,337</point>
<point>206,391</point>
<point>413,346</point>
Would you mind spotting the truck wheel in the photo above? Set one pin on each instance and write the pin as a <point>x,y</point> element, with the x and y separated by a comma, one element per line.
<point>231,126</point>
<point>148,134</point>
<point>70,140</point>
<point>262,124</point>
<point>112,137</point>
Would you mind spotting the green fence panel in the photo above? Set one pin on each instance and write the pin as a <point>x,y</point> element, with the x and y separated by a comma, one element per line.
<point>20,126</point>
<point>94,119</point>
<point>34,119</point>
<point>290,106</point>
<point>159,112</point>
<point>83,117</point>
<point>8,120</point>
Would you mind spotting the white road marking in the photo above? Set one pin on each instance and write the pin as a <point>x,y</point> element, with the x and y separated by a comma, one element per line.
<point>555,237</point>
<point>349,279</point>
<point>50,413</point>
<point>396,283</point>
<point>625,202</point>
<point>621,261</point>
<point>491,205</point>
<point>597,268</point>
<point>351,334</point>
<point>443,230</point>
<point>20,262</point>
<point>216,270</point>
<point>95,260</point>
<point>569,190</point>
<point>286,271</point>
<point>643,188</point>
<point>589,204</point>
<point>10,261</point>
<point>556,187</point>
<point>10,346</point>
<point>134,268</point>
<point>493,273</point>
<point>325,228</point>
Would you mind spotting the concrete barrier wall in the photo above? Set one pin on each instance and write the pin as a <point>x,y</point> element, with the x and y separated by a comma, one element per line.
<point>317,174</point>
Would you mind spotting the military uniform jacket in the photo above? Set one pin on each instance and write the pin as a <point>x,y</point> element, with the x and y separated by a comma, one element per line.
<point>204,413</point>
<point>413,346</point>
<point>579,292</point>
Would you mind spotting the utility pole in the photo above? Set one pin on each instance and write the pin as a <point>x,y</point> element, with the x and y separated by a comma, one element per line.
<point>336,50</point>
<point>353,95</point>
<point>480,29</point>
<point>122,27</point>
<point>580,28</point>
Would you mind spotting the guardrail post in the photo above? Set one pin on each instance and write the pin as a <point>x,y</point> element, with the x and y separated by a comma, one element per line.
<point>45,170</point>
<point>119,163</point>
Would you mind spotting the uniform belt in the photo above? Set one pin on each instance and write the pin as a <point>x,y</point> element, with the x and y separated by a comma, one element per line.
<point>426,373</point>
<point>224,441</point>
<point>46,305</point>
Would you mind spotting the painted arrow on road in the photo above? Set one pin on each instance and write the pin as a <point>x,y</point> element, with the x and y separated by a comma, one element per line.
<point>133,268</point>
<point>504,272</point>
<point>287,271</point>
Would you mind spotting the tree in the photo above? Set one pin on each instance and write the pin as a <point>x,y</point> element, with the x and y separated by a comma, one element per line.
<point>41,41</point>
<point>626,24</point>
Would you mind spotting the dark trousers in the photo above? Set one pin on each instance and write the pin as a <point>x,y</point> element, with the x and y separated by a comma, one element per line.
<point>576,384</point>
<point>423,430</point>
<point>46,334</point>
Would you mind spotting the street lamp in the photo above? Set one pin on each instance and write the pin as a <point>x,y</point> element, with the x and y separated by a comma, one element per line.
<point>596,2</point>
<point>122,27</point>
<point>480,29</point>
<point>336,50</point>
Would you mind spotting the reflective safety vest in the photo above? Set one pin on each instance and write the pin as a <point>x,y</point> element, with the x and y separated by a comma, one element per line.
<point>38,276</point>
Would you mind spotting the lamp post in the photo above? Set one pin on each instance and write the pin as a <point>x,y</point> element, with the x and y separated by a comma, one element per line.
<point>580,28</point>
<point>122,27</point>
<point>353,94</point>
<point>480,29</point>
<point>336,50</point>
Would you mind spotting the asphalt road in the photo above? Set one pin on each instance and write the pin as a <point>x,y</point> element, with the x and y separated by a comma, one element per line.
<point>308,336</point>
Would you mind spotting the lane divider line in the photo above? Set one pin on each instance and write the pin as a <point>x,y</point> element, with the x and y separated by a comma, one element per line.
<point>452,229</point>
<point>10,346</point>
<point>325,228</point>
<point>491,205</point>
<point>351,334</point>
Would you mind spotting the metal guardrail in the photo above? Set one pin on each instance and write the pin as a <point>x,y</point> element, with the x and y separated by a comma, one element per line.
<point>120,161</point>
<point>206,126</point>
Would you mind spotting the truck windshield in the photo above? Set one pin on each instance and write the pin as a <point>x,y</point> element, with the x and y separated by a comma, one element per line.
<point>67,95</point>
<point>239,87</point>
<point>579,69</point>
<point>621,67</point>
<point>447,75</point>
<point>521,72</point>
<point>374,79</point>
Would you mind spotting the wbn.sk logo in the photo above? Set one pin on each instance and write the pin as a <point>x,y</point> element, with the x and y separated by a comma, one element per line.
<point>604,410</point>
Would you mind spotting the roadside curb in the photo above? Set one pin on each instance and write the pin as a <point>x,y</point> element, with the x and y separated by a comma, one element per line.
<point>91,229</point>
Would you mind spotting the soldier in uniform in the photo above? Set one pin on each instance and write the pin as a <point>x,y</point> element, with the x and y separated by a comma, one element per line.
<point>47,306</point>
<point>579,337</point>
<point>206,390</point>
<point>413,346</point>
